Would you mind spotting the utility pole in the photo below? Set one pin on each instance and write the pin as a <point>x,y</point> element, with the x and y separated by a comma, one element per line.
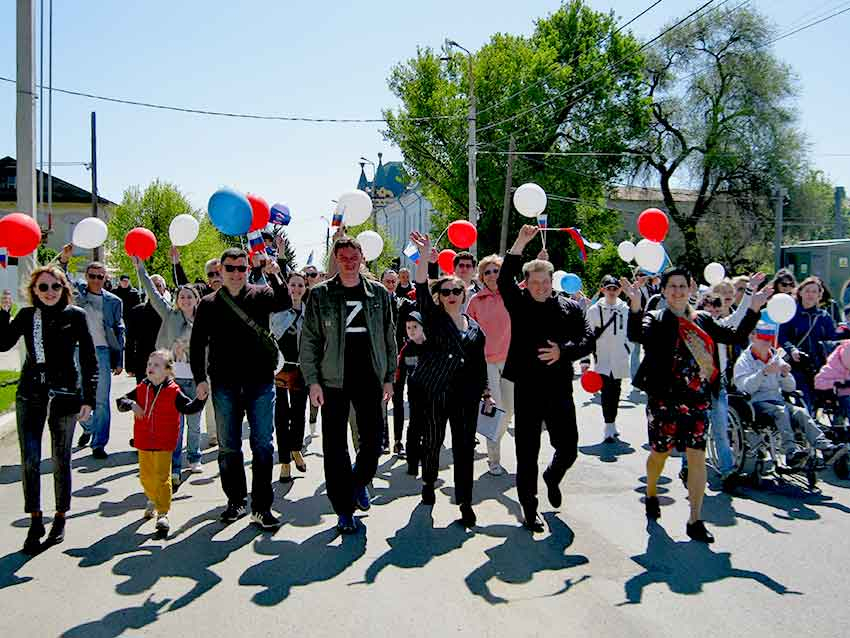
<point>25,124</point>
<point>506,205</point>
<point>97,252</point>
<point>778,203</point>
<point>473,157</point>
<point>839,212</point>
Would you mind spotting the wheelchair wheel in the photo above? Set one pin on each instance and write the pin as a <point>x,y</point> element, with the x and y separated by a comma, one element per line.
<point>842,468</point>
<point>736,440</point>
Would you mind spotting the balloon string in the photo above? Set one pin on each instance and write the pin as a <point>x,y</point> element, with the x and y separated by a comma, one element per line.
<point>440,237</point>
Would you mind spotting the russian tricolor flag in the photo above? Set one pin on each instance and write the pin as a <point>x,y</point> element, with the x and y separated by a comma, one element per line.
<point>3,258</point>
<point>256,243</point>
<point>581,242</point>
<point>543,220</point>
<point>412,253</point>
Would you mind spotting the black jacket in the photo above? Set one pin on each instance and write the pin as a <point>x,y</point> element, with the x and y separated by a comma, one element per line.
<point>534,324</point>
<point>142,328</point>
<point>63,328</point>
<point>658,332</point>
<point>446,361</point>
<point>130,298</point>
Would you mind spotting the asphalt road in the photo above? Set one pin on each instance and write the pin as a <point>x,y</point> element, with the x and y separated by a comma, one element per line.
<point>778,567</point>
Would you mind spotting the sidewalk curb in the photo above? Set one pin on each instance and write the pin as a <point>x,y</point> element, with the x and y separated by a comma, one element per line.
<point>8,424</point>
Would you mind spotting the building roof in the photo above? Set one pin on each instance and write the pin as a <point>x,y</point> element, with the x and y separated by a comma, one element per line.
<point>815,243</point>
<point>387,178</point>
<point>63,192</point>
<point>649,194</point>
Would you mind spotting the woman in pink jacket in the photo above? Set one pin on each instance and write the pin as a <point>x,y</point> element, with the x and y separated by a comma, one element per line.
<point>835,375</point>
<point>488,309</point>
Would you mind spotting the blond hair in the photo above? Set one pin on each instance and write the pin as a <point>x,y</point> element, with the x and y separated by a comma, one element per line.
<point>489,260</point>
<point>168,358</point>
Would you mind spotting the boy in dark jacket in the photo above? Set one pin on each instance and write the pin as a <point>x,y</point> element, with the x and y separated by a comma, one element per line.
<point>408,357</point>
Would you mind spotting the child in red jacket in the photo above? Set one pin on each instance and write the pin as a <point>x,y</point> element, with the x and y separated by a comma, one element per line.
<point>157,403</point>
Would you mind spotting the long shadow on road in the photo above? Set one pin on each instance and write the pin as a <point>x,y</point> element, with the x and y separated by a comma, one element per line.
<point>685,567</point>
<point>521,556</point>
<point>118,622</point>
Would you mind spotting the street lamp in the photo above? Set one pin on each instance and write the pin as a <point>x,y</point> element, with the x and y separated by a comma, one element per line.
<point>374,190</point>
<point>472,147</point>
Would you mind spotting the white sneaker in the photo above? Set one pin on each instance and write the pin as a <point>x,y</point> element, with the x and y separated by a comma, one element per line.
<point>195,468</point>
<point>150,510</point>
<point>175,479</point>
<point>162,524</point>
<point>611,431</point>
<point>496,469</point>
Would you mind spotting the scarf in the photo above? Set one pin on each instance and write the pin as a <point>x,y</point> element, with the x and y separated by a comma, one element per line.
<point>700,345</point>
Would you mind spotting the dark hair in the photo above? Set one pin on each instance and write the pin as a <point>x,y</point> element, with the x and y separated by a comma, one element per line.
<point>785,274</point>
<point>296,273</point>
<point>806,282</point>
<point>346,242</point>
<point>387,272</point>
<point>234,253</point>
<point>463,255</point>
<point>97,265</point>
<point>679,271</point>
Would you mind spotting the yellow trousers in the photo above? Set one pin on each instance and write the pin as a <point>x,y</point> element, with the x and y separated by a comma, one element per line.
<point>155,474</point>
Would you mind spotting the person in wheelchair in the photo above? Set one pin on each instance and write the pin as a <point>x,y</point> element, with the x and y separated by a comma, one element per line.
<point>834,376</point>
<point>763,374</point>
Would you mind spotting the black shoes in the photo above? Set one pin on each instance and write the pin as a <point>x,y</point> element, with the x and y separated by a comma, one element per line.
<point>533,523</point>
<point>412,470</point>
<point>696,531</point>
<point>398,449</point>
<point>99,453</point>
<point>428,496</point>
<point>346,524</point>
<point>467,516</point>
<point>32,544</point>
<point>362,500</point>
<point>57,530</point>
<point>683,476</point>
<point>84,439</point>
<point>730,482</point>
<point>553,490</point>
<point>233,512</point>
<point>653,508</point>
<point>265,520</point>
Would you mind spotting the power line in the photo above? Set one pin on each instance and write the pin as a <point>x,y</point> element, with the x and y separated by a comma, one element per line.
<point>807,26</point>
<point>249,116</point>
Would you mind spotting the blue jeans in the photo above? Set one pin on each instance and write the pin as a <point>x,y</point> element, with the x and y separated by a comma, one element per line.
<point>192,422</point>
<point>231,402</point>
<point>719,417</point>
<point>98,423</point>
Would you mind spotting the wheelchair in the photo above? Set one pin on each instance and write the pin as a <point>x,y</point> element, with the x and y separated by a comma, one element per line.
<point>757,446</point>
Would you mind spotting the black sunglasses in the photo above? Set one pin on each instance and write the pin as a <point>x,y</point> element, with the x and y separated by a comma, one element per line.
<point>93,276</point>
<point>312,275</point>
<point>717,303</point>
<point>457,292</point>
<point>213,274</point>
<point>46,287</point>
<point>612,287</point>
<point>232,268</point>
<point>492,271</point>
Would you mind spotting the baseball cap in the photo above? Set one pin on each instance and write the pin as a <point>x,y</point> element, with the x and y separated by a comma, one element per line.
<point>609,280</point>
<point>415,316</point>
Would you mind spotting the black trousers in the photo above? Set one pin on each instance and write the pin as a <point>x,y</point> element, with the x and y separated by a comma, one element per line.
<point>462,415</point>
<point>535,403</point>
<point>398,416</point>
<point>343,481</point>
<point>610,398</point>
<point>289,420</point>
<point>414,427</point>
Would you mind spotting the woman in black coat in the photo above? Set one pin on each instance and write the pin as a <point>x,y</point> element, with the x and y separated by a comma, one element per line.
<point>680,374</point>
<point>49,390</point>
<point>450,378</point>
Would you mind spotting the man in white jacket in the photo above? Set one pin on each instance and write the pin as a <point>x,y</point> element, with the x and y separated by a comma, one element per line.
<point>608,318</point>
<point>762,373</point>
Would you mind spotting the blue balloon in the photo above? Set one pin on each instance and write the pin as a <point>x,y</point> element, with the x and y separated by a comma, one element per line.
<point>765,316</point>
<point>280,215</point>
<point>570,283</point>
<point>230,211</point>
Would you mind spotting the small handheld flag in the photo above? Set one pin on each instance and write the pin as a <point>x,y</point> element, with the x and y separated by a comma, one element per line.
<point>256,243</point>
<point>336,220</point>
<point>310,259</point>
<point>581,242</point>
<point>3,258</point>
<point>542,224</point>
<point>280,215</point>
<point>412,253</point>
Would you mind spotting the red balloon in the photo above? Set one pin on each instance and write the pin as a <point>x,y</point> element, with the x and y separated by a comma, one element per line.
<point>462,233</point>
<point>591,381</point>
<point>446,261</point>
<point>140,242</point>
<point>260,212</point>
<point>653,224</point>
<point>20,234</point>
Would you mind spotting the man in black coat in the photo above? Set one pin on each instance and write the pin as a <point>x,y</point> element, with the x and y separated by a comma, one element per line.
<point>548,333</point>
<point>143,324</point>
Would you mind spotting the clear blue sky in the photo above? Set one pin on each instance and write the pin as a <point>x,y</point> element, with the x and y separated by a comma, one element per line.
<point>315,59</point>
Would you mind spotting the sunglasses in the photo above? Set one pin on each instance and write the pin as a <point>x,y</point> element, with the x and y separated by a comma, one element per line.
<point>232,268</point>
<point>46,287</point>
<point>445,292</point>
<point>213,274</point>
<point>93,276</point>
<point>612,288</point>
<point>464,265</point>
<point>740,289</point>
<point>312,275</point>
<point>491,271</point>
<point>717,303</point>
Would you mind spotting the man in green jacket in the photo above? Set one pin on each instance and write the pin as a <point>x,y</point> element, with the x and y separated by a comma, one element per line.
<point>348,359</point>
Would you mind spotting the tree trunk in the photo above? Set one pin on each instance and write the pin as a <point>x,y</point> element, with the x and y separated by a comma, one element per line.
<point>692,258</point>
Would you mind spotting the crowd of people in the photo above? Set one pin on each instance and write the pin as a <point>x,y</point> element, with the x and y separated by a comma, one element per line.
<point>260,341</point>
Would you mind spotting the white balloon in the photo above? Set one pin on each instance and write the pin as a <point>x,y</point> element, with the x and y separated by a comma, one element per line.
<point>649,255</point>
<point>714,273</point>
<point>530,199</point>
<point>371,243</point>
<point>183,230</point>
<point>781,308</point>
<point>89,233</point>
<point>355,207</point>
<point>557,277</point>
<point>626,250</point>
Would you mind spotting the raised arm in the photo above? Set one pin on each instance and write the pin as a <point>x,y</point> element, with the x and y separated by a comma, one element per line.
<point>157,300</point>
<point>180,278</point>
<point>506,282</point>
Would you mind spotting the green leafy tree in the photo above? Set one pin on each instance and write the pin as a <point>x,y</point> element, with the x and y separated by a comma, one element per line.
<point>154,208</point>
<point>723,124</point>
<point>810,213</point>
<point>573,85</point>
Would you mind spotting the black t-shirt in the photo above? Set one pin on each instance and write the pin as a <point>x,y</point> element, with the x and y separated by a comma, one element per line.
<point>358,358</point>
